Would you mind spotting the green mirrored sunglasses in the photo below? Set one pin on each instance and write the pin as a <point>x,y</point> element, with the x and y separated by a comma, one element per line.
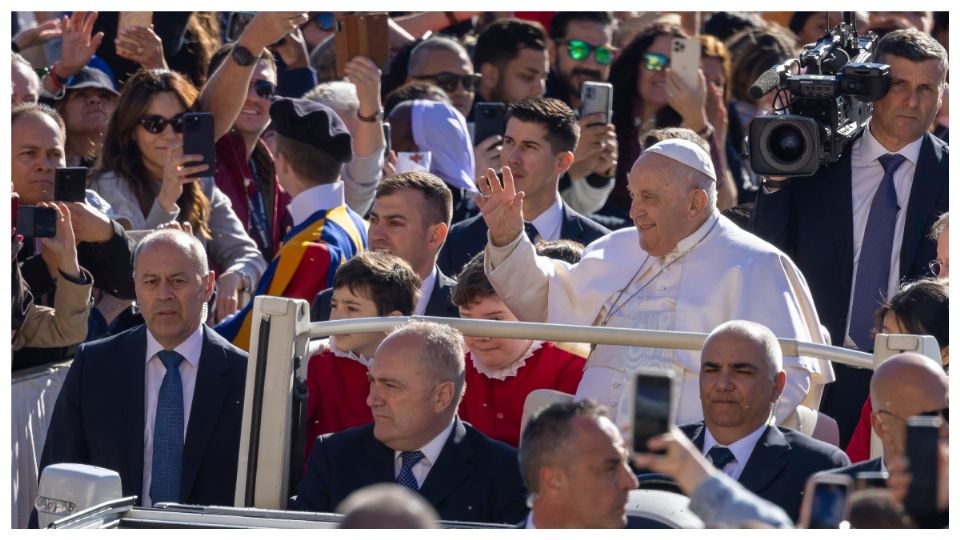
<point>580,50</point>
<point>655,61</point>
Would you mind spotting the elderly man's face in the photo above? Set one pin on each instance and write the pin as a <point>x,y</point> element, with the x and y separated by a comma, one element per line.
<point>37,149</point>
<point>439,61</point>
<point>598,479</point>
<point>662,207</point>
<point>26,85</point>
<point>407,405</point>
<point>737,388</point>
<point>171,291</point>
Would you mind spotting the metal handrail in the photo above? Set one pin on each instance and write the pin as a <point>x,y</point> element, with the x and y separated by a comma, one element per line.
<point>605,335</point>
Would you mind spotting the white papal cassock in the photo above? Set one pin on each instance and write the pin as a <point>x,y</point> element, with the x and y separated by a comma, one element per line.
<point>718,273</point>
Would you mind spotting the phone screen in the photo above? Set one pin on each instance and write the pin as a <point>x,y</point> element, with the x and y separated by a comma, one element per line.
<point>651,409</point>
<point>922,439</point>
<point>828,505</point>
<point>198,138</point>
<point>70,184</point>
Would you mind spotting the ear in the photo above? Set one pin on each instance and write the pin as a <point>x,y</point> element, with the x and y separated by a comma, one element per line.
<point>698,202</point>
<point>443,396</point>
<point>779,381</point>
<point>208,283</point>
<point>552,479</point>
<point>563,162</point>
<point>490,75</point>
<point>282,165</point>
<point>436,235</point>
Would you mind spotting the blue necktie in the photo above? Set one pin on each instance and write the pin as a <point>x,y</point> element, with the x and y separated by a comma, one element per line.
<point>721,456</point>
<point>406,478</point>
<point>873,266</point>
<point>168,433</point>
<point>532,233</point>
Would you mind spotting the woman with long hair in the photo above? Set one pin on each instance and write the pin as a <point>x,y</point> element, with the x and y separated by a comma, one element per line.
<point>145,177</point>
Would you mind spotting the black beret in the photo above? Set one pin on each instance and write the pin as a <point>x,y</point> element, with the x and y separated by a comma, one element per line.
<point>312,123</point>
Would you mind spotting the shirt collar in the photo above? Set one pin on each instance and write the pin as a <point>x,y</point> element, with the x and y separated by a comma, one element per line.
<point>189,349</point>
<point>688,243</point>
<point>426,288</point>
<point>870,150</point>
<point>511,370</point>
<point>322,197</point>
<point>431,450</point>
<point>550,220</point>
<point>741,449</point>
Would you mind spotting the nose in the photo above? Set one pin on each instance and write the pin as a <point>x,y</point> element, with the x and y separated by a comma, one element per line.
<point>540,87</point>
<point>628,480</point>
<point>724,380</point>
<point>510,155</point>
<point>373,396</point>
<point>635,211</point>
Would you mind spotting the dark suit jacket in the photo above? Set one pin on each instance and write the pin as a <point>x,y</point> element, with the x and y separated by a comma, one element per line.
<point>469,237</point>
<point>780,464</point>
<point>852,471</point>
<point>99,415</point>
<point>440,303</point>
<point>475,478</point>
<point>811,220</point>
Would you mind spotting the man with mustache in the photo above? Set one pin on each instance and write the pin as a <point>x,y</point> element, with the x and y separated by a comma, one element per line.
<point>581,50</point>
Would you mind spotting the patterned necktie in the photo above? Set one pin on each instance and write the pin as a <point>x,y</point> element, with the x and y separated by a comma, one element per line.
<point>168,433</point>
<point>532,233</point>
<point>721,456</point>
<point>406,478</point>
<point>873,266</point>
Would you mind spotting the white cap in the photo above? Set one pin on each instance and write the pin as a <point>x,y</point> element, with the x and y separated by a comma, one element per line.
<point>686,152</point>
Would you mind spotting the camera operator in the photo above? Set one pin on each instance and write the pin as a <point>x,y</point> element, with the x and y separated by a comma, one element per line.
<point>877,203</point>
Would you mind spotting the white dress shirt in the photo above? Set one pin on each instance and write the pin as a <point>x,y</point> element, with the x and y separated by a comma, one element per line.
<point>548,223</point>
<point>190,350</point>
<point>866,174</point>
<point>742,449</point>
<point>311,201</point>
<point>431,451</point>
<point>426,289</point>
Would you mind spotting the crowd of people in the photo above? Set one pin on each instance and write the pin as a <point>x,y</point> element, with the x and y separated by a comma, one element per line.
<point>360,187</point>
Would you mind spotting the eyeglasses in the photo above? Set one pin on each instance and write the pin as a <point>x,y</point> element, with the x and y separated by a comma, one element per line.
<point>448,81</point>
<point>580,50</point>
<point>154,123</point>
<point>655,61</point>
<point>264,88</point>
<point>325,20</point>
<point>943,413</point>
<point>936,266</point>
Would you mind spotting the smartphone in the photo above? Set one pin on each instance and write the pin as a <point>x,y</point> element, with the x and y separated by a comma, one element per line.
<point>236,22</point>
<point>70,184</point>
<point>128,19</point>
<point>198,139</point>
<point>37,222</point>
<point>825,501</point>
<point>685,60</point>
<point>361,35</point>
<point>871,479</point>
<point>387,134</point>
<point>489,119</point>
<point>597,97</point>
<point>923,437</point>
<point>14,208</point>
<point>651,395</point>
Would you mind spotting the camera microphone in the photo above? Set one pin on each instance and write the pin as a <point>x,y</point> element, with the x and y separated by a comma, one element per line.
<point>769,79</point>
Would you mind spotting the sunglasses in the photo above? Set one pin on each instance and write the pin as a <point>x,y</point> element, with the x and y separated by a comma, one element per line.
<point>325,20</point>
<point>264,88</point>
<point>154,123</point>
<point>580,50</point>
<point>448,81</point>
<point>655,61</point>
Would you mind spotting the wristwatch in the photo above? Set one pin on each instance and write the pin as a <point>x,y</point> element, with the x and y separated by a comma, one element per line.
<point>377,116</point>
<point>242,55</point>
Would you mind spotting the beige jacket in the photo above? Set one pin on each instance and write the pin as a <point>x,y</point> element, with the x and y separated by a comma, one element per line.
<point>62,325</point>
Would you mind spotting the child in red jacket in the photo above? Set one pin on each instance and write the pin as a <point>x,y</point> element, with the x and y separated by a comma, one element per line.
<point>371,284</point>
<point>501,372</point>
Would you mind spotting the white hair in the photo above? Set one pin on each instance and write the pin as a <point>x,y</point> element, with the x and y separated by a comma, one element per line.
<point>189,243</point>
<point>341,96</point>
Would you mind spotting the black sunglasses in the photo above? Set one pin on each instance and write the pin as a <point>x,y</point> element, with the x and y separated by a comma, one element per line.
<point>448,81</point>
<point>154,123</point>
<point>265,89</point>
